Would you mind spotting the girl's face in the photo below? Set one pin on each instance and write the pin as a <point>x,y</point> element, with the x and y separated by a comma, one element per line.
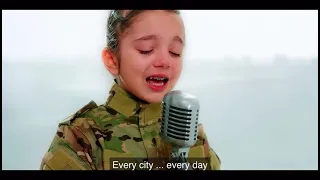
<point>150,55</point>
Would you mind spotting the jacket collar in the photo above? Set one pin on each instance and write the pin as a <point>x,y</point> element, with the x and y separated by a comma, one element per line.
<point>131,107</point>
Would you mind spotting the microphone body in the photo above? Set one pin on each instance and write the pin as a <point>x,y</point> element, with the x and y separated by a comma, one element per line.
<point>179,125</point>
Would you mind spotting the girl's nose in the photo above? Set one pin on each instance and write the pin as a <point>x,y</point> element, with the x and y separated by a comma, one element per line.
<point>162,60</point>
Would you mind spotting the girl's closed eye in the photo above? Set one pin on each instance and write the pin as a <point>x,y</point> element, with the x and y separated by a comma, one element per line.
<point>175,54</point>
<point>145,52</point>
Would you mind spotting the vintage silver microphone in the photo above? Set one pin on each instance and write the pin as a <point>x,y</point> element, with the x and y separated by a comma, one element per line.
<point>179,125</point>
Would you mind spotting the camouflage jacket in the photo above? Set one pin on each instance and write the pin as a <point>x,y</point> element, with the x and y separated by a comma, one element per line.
<point>122,127</point>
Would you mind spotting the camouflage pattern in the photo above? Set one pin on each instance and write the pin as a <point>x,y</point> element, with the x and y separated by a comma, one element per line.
<point>122,127</point>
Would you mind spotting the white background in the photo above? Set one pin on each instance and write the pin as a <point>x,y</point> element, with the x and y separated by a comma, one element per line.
<point>255,73</point>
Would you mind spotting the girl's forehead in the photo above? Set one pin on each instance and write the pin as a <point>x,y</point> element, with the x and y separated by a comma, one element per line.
<point>156,22</point>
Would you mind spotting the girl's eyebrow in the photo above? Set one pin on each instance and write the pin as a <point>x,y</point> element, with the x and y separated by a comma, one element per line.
<point>179,39</point>
<point>147,37</point>
<point>154,37</point>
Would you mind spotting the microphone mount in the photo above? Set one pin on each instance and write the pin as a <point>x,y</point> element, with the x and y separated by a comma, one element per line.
<point>180,155</point>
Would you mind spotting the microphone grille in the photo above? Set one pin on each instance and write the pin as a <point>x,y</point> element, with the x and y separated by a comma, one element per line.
<point>180,113</point>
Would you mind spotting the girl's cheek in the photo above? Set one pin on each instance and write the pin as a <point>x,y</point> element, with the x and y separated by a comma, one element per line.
<point>176,66</point>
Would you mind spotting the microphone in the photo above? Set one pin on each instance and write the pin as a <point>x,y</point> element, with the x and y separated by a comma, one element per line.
<point>179,125</point>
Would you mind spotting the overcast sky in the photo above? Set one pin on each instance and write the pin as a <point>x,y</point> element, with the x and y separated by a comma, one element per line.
<point>211,35</point>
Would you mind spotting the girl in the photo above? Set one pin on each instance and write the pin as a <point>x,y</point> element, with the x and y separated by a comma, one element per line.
<point>144,54</point>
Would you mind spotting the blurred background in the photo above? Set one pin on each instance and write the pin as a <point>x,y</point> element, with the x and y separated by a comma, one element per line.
<point>255,73</point>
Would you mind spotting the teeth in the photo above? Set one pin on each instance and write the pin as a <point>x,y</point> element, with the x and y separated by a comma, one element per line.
<point>157,78</point>
<point>156,83</point>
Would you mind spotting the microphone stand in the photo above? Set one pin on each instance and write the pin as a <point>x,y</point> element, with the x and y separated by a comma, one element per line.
<point>180,155</point>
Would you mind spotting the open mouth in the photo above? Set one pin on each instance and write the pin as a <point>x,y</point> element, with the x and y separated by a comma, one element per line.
<point>157,80</point>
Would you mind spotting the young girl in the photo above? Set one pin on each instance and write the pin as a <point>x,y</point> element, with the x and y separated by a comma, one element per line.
<point>144,54</point>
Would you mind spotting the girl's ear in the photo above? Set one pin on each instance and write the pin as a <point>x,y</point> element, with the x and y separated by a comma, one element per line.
<point>110,61</point>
